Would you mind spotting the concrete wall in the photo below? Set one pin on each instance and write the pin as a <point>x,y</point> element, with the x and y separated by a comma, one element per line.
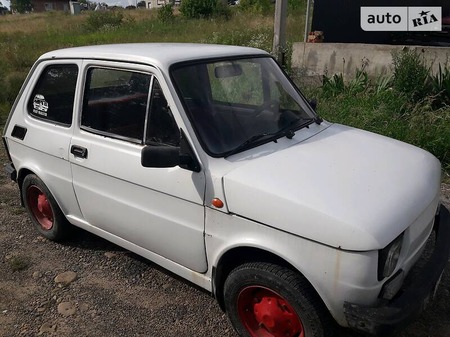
<point>331,58</point>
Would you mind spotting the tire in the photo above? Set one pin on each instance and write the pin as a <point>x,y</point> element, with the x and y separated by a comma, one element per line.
<point>267,300</point>
<point>43,210</point>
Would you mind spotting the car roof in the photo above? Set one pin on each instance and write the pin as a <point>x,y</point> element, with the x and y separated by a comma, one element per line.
<point>157,54</point>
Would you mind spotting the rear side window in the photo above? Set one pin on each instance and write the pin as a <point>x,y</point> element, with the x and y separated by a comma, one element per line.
<point>115,103</point>
<point>53,96</point>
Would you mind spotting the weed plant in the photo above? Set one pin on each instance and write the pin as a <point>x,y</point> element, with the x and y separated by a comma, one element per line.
<point>440,85</point>
<point>18,263</point>
<point>410,74</point>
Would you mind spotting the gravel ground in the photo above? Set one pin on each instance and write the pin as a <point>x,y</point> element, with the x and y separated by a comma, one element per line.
<point>112,292</point>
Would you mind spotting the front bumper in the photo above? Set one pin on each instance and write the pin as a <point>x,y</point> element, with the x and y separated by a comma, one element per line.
<point>412,300</point>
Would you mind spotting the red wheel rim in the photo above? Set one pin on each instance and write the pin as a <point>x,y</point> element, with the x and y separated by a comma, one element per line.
<point>40,207</point>
<point>265,313</point>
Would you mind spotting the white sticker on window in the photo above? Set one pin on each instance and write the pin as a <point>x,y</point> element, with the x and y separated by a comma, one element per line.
<point>40,105</point>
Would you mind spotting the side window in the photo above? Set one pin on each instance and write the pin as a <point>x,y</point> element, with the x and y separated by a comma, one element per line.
<point>161,126</point>
<point>115,103</point>
<point>53,96</point>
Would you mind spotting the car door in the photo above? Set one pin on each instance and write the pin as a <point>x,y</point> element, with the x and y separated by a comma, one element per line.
<point>158,209</point>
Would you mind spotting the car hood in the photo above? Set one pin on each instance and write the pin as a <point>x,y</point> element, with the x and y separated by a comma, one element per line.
<point>343,187</point>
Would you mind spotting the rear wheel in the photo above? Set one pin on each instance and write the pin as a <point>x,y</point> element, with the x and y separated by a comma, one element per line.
<point>266,300</point>
<point>44,212</point>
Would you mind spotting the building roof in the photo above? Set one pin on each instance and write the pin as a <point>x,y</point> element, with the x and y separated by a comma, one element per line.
<point>159,54</point>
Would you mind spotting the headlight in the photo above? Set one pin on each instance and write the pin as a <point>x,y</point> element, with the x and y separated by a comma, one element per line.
<point>388,258</point>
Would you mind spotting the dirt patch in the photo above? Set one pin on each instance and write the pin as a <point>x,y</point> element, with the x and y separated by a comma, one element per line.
<point>117,293</point>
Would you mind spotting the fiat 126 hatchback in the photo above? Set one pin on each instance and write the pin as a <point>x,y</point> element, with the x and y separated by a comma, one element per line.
<point>210,162</point>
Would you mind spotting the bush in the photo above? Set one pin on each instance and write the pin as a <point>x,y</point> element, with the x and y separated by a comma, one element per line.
<point>198,9</point>
<point>256,6</point>
<point>204,9</point>
<point>410,74</point>
<point>165,13</point>
<point>222,11</point>
<point>99,20</point>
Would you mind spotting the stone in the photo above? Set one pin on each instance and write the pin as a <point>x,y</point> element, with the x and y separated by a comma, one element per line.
<point>66,278</point>
<point>47,327</point>
<point>37,275</point>
<point>83,307</point>
<point>110,255</point>
<point>66,309</point>
<point>43,306</point>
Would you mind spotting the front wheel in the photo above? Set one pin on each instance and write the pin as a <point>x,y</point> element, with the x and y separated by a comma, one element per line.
<point>44,212</point>
<point>267,300</point>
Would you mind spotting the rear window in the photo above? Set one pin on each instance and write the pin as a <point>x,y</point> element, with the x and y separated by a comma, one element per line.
<point>53,96</point>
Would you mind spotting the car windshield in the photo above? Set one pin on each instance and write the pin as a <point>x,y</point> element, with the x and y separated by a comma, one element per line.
<point>236,104</point>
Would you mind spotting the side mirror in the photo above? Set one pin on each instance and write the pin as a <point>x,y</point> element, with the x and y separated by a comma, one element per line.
<point>160,156</point>
<point>170,156</point>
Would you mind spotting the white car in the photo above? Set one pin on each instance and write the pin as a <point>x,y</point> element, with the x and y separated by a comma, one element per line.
<point>208,160</point>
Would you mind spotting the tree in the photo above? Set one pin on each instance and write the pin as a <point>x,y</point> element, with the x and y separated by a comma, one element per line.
<point>87,4</point>
<point>142,4</point>
<point>21,6</point>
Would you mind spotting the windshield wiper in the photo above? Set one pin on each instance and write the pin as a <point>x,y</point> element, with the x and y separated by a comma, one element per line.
<point>287,132</point>
<point>243,145</point>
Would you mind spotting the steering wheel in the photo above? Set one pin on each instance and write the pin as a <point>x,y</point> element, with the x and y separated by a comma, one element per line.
<point>267,106</point>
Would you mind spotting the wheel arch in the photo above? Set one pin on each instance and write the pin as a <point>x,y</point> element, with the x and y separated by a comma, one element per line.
<point>243,254</point>
<point>23,172</point>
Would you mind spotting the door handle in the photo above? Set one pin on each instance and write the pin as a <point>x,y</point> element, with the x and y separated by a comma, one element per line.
<point>79,151</point>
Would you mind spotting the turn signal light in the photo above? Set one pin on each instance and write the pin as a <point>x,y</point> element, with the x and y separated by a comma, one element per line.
<point>216,202</point>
